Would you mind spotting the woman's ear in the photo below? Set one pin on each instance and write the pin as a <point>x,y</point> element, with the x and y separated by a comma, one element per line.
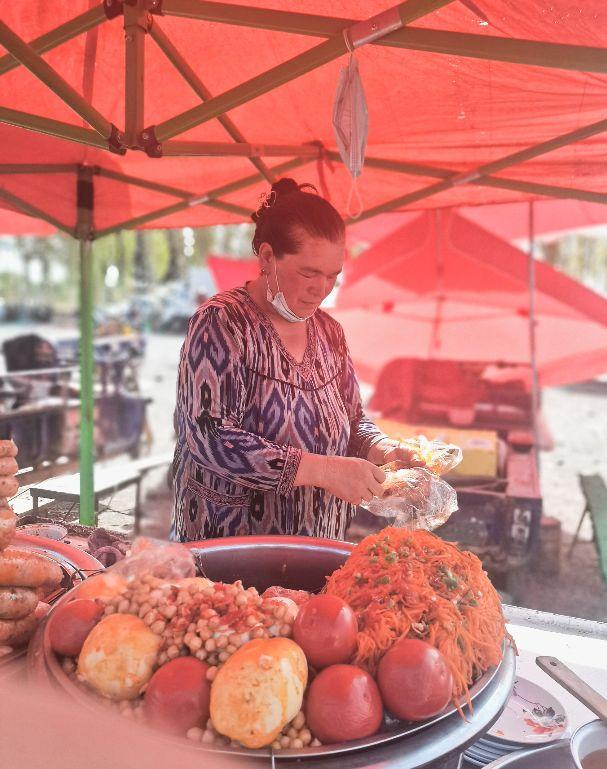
<point>265,256</point>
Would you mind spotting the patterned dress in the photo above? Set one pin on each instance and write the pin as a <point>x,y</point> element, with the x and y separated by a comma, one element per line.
<point>246,409</point>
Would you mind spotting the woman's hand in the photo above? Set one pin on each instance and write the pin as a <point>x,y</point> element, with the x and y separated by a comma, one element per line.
<point>349,478</point>
<point>389,450</point>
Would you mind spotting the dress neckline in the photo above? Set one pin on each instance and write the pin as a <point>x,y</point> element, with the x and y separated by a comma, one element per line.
<point>307,362</point>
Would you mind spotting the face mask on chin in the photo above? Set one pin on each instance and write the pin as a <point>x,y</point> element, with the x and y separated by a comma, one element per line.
<point>279,303</point>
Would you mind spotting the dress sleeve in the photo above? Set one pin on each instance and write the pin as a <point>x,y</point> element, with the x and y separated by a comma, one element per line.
<point>363,432</point>
<point>213,399</point>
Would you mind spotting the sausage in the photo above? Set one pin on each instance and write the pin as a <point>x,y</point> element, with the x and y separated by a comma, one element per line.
<point>9,485</point>
<point>17,602</point>
<point>16,632</point>
<point>24,568</point>
<point>8,466</point>
<point>8,522</point>
<point>8,449</point>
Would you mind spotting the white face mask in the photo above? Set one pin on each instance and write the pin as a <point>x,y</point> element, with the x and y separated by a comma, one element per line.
<point>279,303</point>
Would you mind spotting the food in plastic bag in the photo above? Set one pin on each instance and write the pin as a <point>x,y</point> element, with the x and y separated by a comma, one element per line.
<point>414,497</point>
<point>151,557</point>
<point>439,457</point>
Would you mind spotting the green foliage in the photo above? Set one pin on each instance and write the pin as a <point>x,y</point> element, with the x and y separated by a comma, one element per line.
<point>143,257</point>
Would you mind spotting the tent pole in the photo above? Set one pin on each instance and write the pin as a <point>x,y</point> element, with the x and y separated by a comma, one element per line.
<point>535,384</point>
<point>87,401</point>
<point>57,128</point>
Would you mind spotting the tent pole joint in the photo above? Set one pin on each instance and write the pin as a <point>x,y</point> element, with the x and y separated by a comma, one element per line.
<point>116,141</point>
<point>372,29</point>
<point>149,143</point>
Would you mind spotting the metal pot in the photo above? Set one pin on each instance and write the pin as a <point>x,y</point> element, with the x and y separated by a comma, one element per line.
<point>303,563</point>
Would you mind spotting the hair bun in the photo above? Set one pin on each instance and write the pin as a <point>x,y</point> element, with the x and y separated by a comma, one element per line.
<point>285,186</point>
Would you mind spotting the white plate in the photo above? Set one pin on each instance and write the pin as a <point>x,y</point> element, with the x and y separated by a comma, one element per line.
<point>532,716</point>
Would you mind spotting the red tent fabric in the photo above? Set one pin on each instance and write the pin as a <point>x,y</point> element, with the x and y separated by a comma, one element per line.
<point>230,273</point>
<point>439,106</point>
<point>14,223</point>
<point>443,288</point>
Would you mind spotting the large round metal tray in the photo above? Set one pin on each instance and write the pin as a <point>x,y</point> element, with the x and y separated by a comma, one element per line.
<point>303,563</point>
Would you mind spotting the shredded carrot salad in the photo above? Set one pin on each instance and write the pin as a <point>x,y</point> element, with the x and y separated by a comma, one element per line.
<point>413,584</point>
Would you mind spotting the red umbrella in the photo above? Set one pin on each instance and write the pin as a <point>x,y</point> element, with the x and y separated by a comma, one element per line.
<point>443,288</point>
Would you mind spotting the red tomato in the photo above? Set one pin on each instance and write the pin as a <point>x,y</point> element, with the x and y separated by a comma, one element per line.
<point>343,704</point>
<point>326,629</point>
<point>414,680</point>
<point>178,695</point>
<point>70,624</point>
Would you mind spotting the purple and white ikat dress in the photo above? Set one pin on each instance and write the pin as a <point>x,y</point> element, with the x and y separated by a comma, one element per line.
<point>246,409</point>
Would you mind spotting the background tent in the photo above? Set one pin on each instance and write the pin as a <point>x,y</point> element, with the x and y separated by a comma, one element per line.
<point>443,288</point>
<point>229,273</point>
<point>510,221</point>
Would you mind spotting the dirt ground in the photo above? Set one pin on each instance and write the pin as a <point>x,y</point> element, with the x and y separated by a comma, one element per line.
<point>576,416</point>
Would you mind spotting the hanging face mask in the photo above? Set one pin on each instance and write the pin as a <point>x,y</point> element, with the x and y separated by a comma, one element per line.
<point>351,124</point>
<point>279,303</point>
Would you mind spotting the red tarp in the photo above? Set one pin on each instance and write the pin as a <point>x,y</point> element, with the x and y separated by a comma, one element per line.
<point>229,273</point>
<point>436,109</point>
<point>443,288</point>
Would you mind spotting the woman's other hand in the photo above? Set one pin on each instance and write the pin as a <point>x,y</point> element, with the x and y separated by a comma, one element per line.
<point>389,450</point>
<point>349,478</point>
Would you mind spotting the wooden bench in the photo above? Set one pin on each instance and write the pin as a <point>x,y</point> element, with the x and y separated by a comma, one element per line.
<point>595,495</point>
<point>108,481</point>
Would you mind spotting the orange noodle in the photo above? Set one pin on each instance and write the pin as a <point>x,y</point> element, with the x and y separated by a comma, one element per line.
<point>413,584</point>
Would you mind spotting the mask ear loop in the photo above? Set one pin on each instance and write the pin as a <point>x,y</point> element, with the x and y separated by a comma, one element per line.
<point>354,195</point>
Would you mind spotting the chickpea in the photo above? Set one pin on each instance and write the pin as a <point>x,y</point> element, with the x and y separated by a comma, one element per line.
<point>299,721</point>
<point>169,611</point>
<point>208,738</point>
<point>305,736</point>
<point>201,655</point>
<point>123,606</point>
<point>151,617</point>
<point>297,743</point>
<point>222,642</point>
<point>195,733</point>
<point>195,644</point>
<point>173,652</point>
<point>223,657</point>
<point>158,627</point>
<point>285,742</point>
<point>292,733</point>
<point>210,645</point>
<point>211,673</point>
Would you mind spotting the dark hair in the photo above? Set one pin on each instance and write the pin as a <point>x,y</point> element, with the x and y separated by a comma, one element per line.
<point>289,209</point>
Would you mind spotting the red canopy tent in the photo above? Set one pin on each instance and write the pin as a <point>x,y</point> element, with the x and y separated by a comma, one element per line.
<point>229,273</point>
<point>115,112</point>
<point>443,288</point>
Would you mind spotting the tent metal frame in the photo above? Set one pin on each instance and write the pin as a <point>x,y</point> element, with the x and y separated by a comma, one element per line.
<point>391,28</point>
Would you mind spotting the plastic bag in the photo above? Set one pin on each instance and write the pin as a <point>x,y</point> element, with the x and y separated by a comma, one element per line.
<point>439,457</point>
<point>414,497</point>
<point>152,557</point>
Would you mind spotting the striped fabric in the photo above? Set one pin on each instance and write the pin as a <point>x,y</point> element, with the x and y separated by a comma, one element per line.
<point>246,409</point>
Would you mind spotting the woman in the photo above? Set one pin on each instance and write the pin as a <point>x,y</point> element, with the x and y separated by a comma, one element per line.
<point>272,438</point>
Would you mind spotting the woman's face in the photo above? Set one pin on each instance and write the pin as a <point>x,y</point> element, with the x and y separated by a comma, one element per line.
<point>306,277</point>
